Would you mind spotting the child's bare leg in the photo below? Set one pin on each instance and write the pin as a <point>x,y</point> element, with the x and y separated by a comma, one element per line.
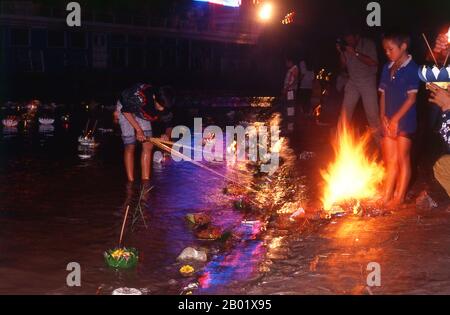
<point>128,158</point>
<point>404,162</point>
<point>146,160</point>
<point>391,161</point>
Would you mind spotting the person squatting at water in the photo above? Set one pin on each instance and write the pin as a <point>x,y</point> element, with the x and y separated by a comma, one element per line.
<point>359,57</point>
<point>441,97</point>
<point>137,109</point>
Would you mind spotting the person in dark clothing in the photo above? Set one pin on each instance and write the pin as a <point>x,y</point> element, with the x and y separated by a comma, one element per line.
<point>138,108</point>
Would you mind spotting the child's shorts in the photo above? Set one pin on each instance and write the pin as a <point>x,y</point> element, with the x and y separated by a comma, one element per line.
<point>128,132</point>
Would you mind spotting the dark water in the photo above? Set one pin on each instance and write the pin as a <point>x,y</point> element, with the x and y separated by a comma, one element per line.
<point>56,208</point>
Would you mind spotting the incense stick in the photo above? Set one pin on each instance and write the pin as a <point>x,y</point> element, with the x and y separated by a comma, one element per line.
<point>156,142</point>
<point>194,149</point>
<point>95,126</point>
<point>429,48</point>
<point>446,58</point>
<point>123,225</point>
<point>86,128</point>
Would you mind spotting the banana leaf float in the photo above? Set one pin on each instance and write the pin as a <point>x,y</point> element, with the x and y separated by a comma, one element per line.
<point>122,258</point>
<point>213,233</point>
<point>198,219</point>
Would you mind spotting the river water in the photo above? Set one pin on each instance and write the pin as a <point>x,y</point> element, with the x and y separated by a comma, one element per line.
<point>57,208</point>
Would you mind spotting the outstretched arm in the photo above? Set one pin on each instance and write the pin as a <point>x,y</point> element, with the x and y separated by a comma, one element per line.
<point>139,132</point>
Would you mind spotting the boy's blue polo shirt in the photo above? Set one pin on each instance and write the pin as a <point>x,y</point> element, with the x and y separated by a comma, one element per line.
<point>396,90</point>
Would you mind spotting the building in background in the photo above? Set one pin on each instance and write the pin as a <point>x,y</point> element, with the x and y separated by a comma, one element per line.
<point>176,42</point>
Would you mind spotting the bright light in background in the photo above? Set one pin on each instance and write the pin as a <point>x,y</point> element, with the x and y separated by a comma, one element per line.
<point>228,3</point>
<point>265,12</point>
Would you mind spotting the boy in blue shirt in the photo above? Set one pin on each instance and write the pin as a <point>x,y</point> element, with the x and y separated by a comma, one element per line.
<point>398,86</point>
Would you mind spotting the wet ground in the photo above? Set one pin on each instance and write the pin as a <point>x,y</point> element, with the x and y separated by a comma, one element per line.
<point>411,246</point>
<point>56,209</point>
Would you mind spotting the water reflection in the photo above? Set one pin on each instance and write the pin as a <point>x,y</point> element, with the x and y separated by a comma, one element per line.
<point>71,210</point>
<point>10,131</point>
<point>228,269</point>
<point>47,130</point>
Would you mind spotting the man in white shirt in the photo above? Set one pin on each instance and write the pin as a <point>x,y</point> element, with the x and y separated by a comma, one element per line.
<point>359,56</point>
<point>306,86</point>
<point>289,94</point>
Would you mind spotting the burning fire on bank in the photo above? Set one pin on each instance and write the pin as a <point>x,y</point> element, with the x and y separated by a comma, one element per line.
<point>354,176</point>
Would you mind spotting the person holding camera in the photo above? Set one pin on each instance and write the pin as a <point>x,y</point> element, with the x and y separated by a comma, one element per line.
<point>359,56</point>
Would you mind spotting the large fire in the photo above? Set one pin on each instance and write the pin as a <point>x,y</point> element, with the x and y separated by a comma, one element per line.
<point>354,175</point>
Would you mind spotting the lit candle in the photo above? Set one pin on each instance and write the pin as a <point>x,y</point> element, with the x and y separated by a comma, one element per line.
<point>448,36</point>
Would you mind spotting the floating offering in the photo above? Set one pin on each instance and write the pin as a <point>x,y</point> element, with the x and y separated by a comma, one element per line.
<point>187,271</point>
<point>123,258</point>
<point>190,253</point>
<point>46,121</point>
<point>126,291</point>
<point>10,122</point>
<point>198,218</point>
<point>87,141</point>
<point>87,138</point>
<point>209,233</point>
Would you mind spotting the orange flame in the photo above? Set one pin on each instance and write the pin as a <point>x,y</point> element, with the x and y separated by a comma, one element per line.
<point>448,36</point>
<point>317,110</point>
<point>353,175</point>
